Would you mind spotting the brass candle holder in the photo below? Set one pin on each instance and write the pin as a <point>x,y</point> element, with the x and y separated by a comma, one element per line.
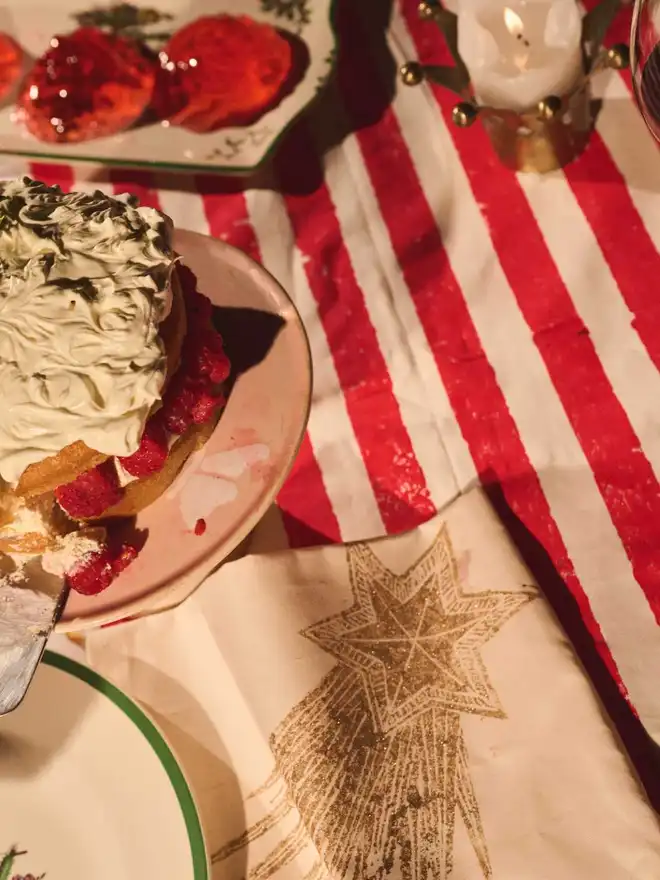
<point>544,137</point>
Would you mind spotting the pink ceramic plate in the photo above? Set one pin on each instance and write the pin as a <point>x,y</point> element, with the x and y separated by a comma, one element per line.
<point>229,483</point>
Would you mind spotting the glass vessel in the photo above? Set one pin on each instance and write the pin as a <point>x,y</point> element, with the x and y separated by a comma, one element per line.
<point>645,61</point>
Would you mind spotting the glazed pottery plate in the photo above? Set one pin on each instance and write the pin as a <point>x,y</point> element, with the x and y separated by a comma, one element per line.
<point>32,23</point>
<point>90,788</point>
<point>226,487</point>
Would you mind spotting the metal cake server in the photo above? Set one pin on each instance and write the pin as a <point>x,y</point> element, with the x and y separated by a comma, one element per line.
<point>30,605</point>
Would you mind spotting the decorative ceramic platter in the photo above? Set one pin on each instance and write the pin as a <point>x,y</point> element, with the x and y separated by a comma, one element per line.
<point>90,788</point>
<point>232,480</point>
<point>32,23</point>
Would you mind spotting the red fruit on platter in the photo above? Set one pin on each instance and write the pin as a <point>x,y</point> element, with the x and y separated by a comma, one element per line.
<point>224,70</point>
<point>11,64</point>
<point>91,493</point>
<point>97,571</point>
<point>88,84</point>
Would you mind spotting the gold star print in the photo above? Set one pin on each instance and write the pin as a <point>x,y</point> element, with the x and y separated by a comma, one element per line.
<point>415,637</point>
<point>372,769</point>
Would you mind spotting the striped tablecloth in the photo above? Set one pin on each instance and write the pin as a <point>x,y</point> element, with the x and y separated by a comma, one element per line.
<point>467,324</point>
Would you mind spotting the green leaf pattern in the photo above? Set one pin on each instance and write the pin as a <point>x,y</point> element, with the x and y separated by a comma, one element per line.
<point>297,12</point>
<point>7,866</point>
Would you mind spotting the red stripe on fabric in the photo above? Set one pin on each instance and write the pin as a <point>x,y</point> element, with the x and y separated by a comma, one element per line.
<point>303,495</point>
<point>394,472</point>
<point>53,174</point>
<point>476,398</point>
<point>603,196</point>
<point>307,513</point>
<point>623,474</point>
<point>227,214</point>
<point>137,183</point>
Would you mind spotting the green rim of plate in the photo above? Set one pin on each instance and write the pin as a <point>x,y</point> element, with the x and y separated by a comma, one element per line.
<point>157,742</point>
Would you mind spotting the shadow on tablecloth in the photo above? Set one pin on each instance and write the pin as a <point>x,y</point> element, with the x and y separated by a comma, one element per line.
<point>204,757</point>
<point>643,752</point>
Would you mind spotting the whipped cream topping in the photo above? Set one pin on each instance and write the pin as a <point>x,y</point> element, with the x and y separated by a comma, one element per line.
<point>84,284</point>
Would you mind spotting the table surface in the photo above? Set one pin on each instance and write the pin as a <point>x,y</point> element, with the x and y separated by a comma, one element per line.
<point>467,324</point>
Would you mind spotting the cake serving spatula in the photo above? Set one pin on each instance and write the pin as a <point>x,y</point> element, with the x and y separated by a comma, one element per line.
<point>30,605</point>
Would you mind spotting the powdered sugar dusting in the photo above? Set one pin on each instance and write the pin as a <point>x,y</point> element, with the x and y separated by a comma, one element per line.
<point>25,520</point>
<point>62,551</point>
<point>31,584</point>
<point>71,551</point>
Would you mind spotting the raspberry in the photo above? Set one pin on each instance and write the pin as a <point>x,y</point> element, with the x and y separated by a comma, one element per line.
<point>123,558</point>
<point>189,401</point>
<point>225,70</point>
<point>152,453</point>
<point>95,573</point>
<point>88,84</point>
<point>204,356</point>
<point>204,407</point>
<point>91,493</point>
<point>11,63</point>
<point>177,405</point>
<point>211,359</point>
<point>192,396</point>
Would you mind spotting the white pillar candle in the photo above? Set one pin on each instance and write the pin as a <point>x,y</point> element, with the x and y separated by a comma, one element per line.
<point>520,51</point>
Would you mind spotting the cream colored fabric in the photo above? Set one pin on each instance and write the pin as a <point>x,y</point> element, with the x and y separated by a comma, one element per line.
<point>405,709</point>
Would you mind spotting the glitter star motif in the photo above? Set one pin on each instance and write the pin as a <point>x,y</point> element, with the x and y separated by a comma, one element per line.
<point>415,637</point>
<point>372,768</point>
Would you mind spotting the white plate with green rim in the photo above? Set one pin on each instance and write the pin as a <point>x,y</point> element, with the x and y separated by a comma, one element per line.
<point>89,788</point>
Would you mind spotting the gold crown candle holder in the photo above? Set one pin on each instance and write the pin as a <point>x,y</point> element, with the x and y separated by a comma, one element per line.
<point>553,131</point>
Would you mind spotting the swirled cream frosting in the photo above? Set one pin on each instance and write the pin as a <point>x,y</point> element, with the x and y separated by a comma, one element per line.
<point>84,284</point>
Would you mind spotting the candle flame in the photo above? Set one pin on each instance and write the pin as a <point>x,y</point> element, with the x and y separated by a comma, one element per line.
<point>513,22</point>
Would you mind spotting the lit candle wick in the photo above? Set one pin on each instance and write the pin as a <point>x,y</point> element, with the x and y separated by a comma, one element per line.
<point>508,52</point>
<point>514,25</point>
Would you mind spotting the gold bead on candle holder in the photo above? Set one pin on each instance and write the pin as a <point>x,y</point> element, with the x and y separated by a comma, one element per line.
<point>543,135</point>
<point>549,107</point>
<point>464,114</point>
<point>411,73</point>
<point>426,11</point>
<point>618,57</point>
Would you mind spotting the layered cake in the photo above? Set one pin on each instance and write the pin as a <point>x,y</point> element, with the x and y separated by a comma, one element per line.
<point>110,369</point>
